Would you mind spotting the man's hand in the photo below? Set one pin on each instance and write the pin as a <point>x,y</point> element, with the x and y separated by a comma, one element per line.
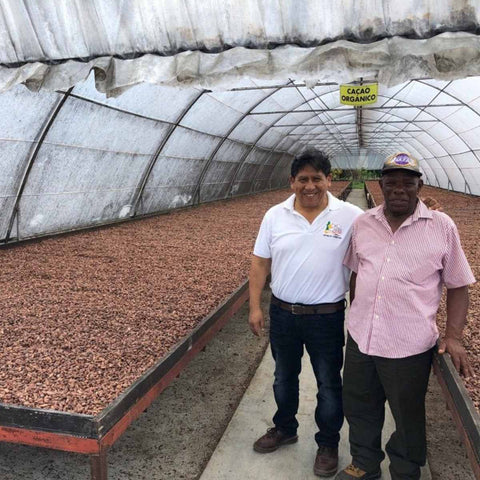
<point>432,203</point>
<point>458,354</point>
<point>256,321</point>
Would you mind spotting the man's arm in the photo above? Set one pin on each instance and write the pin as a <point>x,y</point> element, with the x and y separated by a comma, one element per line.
<point>353,283</point>
<point>457,306</point>
<point>259,271</point>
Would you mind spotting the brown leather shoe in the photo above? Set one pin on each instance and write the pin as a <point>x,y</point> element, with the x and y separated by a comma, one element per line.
<point>326,461</point>
<point>273,439</point>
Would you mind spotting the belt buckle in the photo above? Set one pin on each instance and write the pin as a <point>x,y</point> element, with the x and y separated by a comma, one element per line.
<point>296,309</point>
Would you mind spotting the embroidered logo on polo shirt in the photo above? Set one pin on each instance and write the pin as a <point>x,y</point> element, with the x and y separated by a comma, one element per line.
<point>332,230</point>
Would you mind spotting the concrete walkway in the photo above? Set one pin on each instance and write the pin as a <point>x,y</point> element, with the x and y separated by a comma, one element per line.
<point>357,197</point>
<point>234,458</point>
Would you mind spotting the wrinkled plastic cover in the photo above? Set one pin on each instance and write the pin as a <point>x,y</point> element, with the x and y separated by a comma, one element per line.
<point>216,43</point>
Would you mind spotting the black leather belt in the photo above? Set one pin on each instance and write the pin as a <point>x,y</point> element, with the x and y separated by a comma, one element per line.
<point>300,309</point>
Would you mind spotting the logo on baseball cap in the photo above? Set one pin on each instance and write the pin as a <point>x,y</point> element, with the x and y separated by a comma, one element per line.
<point>401,161</point>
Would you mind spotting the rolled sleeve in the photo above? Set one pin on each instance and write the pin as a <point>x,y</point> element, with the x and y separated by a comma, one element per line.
<point>456,270</point>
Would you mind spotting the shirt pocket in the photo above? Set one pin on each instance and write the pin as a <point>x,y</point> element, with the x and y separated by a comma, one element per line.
<point>426,272</point>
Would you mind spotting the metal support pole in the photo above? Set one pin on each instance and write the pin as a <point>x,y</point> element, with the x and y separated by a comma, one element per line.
<point>31,160</point>
<point>196,193</point>
<point>153,160</point>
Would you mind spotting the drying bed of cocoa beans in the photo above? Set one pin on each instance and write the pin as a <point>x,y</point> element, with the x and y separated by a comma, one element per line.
<point>465,211</point>
<point>84,316</point>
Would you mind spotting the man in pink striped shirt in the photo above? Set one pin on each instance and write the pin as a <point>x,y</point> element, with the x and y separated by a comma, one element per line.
<point>401,254</point>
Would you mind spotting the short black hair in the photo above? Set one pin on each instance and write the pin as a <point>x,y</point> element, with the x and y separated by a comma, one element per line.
<point>315,158</point>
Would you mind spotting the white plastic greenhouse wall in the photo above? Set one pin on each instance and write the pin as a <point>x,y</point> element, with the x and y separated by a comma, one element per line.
<point>209,100</point>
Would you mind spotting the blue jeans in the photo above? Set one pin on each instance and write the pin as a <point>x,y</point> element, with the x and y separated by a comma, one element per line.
<point>323,337</point>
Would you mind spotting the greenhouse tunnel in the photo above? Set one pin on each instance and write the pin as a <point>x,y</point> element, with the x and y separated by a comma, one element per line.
<point>119,110</point>
<point>75,158</point>
<point>219,112</point>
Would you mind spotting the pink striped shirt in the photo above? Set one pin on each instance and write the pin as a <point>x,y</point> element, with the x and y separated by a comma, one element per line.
<point>399,280</point>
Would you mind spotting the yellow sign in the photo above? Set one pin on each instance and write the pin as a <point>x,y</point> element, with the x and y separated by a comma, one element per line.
<point>358,95</point>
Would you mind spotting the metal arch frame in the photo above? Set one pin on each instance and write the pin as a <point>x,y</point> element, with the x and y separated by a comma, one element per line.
<point>468,146</point>
<point>371,122</point>
<point>275,166</point>
<point>342,109</point>
<point>394,98</point>
<point>271,152</point>
<point>163,122</point>
<point>153,160</point>
<point>428,169</point>
<point>326,133</point>
<point>344,134</point>
<point>273,125</point>
<point>263,133</point>
<point>380,108</point>
<point>138,115</point>
<point>422,109</point>
<point>354,124</point>
<point>426,132</point>
<point>402,121</point>
<point>41,135</point>
<point>260,87</point>
<point>319,98</point>
<point>243,159</point>
<point>341,140</point>
<point>273,149</point>
<point>316,111</point>
<point>316,96</point>
<point>267,129</point>
<point>196,192</point>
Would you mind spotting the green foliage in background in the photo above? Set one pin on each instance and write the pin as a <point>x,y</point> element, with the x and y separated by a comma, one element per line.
<point>337,174</point>
<point>355,176</point>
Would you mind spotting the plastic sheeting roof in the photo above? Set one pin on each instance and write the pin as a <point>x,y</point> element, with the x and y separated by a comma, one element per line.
<point>73,157</point>
<point>211,42</point>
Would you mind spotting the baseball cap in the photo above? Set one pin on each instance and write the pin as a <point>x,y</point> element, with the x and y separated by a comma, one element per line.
<point>401,161</point>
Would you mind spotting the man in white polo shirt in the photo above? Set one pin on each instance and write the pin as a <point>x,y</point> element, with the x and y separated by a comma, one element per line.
<point>302,242</point>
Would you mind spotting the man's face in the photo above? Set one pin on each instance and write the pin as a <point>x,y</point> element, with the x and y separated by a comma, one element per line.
<point>400,189</point>
<point>310,187</point>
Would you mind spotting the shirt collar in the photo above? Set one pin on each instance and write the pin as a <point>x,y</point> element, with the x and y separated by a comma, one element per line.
<point>333,202</point>
<point>289,203</point>
<point>421,211</point>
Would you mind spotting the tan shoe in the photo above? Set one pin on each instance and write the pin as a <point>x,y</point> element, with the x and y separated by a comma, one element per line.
<point>273,439</point>
<point>354,473</point>
<point>326,461</point>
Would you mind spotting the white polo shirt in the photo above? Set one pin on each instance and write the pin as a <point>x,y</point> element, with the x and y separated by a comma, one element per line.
<point>307,258</point>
